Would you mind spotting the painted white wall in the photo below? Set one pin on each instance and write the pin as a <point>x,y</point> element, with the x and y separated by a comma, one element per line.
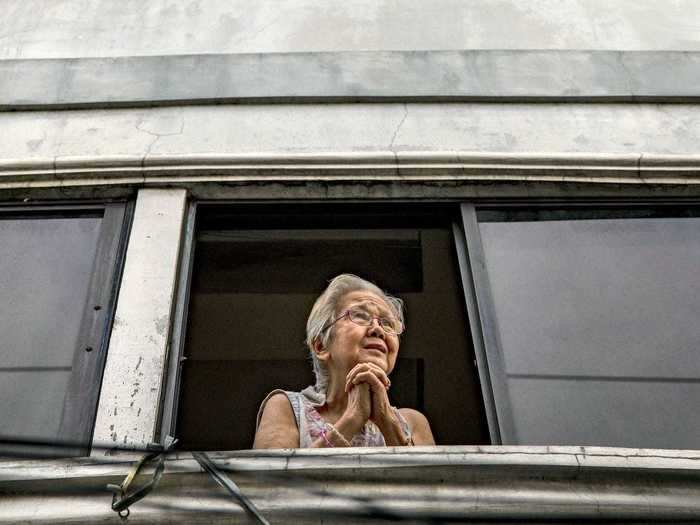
<point>107,28</point>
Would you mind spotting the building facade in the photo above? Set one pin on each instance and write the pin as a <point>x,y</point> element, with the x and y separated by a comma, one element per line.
<point>179,180</point>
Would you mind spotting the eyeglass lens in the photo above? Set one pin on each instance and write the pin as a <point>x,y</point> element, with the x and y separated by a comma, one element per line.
<point>365,318</point>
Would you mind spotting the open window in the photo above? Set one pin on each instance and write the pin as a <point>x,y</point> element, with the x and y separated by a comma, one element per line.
<point>58,273</point>
<point>255,274</point>
<point>582,318</point>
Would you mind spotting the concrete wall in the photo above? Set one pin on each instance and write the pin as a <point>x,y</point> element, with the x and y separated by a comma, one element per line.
<point>87,69</point>
<point>454,145</point>
<point>288,129</point>
<point>106,28</point>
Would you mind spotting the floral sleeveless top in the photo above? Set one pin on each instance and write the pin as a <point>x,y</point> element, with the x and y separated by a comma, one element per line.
<point>312,426</point>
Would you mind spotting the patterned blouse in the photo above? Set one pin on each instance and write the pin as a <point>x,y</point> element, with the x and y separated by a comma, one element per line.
<point>312,426</point>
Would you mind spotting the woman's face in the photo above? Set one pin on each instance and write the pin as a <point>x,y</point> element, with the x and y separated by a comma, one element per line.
<point>352,343</point>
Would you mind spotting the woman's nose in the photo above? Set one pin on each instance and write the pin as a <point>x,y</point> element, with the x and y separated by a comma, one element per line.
<point>376,328</point>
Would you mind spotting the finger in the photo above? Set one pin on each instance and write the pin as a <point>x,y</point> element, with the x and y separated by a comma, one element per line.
<point>359,368</point>
<point>359,385</point>
<point>360,391</point>
<point>365,377</point>
<point>370,378</point>
<point>352,373</point>
<point>380,373</point>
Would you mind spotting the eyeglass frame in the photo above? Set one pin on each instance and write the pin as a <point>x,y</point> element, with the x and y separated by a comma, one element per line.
<point>346,313</point>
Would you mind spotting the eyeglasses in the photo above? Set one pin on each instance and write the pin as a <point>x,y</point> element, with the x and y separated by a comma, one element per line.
<point>364,318</point>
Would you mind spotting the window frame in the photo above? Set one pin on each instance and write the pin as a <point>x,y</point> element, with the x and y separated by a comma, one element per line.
<point>82,395</point>
<point>481,307</point>
<point>481,314</point>
<point>474,282</point>
<point>173,363</point>
<point>175,359</point>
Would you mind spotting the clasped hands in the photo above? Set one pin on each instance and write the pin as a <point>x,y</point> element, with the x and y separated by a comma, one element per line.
<point>367,385</point>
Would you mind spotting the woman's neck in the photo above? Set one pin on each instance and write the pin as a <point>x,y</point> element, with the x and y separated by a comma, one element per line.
<point>336,399</point>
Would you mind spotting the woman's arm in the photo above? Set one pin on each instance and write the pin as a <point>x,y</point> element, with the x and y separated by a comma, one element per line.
<point>420,428</point>
<point>278,427</point>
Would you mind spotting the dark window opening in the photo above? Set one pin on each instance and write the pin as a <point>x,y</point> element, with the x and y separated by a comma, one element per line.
<point>257,271</point>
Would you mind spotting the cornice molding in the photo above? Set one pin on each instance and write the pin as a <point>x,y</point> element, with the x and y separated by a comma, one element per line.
<point>413,166</point>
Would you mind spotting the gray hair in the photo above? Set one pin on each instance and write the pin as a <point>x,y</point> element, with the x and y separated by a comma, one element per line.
<point>325,310</point>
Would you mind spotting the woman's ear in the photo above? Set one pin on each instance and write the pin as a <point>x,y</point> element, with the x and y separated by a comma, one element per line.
<point>320,351</point>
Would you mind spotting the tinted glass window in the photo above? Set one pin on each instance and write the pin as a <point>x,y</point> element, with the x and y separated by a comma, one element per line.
<point>52,333</point>
<point>597,317</point>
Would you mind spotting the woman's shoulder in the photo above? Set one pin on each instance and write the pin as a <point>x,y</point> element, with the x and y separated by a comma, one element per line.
<point>276,425</point>
<point>275,402</point>
<point>277,398</point>
<point>412,416</point>
<point>420,427</point>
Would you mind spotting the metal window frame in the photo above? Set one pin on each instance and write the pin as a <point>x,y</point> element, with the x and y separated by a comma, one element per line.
<point>477,297</point>
<point>170,398</point>
<point>174,360</point>
<point>82,396</point>
<point>482,320</point>
<point>481,308</point>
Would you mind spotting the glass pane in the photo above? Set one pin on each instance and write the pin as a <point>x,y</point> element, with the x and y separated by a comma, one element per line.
<point>597,321</point>
<point>45,269</point>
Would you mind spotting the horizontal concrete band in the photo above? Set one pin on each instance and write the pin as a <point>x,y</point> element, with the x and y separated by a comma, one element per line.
<point>351,166</point>
<point>518,75</point>
<point>442,482</point>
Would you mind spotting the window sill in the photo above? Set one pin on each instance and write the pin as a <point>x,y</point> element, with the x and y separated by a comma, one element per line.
<point>449,482</point>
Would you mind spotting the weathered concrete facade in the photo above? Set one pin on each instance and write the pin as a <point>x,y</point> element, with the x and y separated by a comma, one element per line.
<point>492,91</point>
<point>487,90</point>
<point>70,28</point>
<point>165,103</point>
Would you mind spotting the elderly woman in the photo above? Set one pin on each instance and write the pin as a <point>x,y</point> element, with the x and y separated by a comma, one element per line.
<point>353,336</point>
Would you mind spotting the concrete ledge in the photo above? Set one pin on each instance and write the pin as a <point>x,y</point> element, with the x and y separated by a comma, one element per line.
<point>388,166</point>
<point>465,75</point>
<point>498,484</point>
